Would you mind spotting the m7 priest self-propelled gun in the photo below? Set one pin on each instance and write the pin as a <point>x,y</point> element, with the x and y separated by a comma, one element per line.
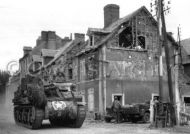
<point>36,100</point>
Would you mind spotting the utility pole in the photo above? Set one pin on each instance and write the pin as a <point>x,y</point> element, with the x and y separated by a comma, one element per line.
<point>167,54</point>
<point>157,4</point>
<point>179,45</point>
<point>163,42</point>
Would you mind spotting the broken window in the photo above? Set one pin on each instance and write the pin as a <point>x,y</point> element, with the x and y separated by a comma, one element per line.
<point>133,37</point>
<point>141,42</point>
<point>125,38</point>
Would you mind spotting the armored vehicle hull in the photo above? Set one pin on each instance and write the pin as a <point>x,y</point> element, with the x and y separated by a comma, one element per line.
<point>57,102</point>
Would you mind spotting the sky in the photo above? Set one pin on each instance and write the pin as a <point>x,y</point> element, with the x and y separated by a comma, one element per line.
<point>21,21</point>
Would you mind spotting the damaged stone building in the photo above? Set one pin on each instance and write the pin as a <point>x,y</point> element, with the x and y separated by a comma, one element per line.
<point>125,53</point>
<point>120,59</point>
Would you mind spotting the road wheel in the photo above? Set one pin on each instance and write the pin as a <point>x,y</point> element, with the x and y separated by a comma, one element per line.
<point>146,117</point>
<point>54,122</point>
<point>38,118</point>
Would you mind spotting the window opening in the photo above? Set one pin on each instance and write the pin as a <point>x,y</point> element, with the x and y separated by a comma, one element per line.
<point>125,38</point>
<point>141,42</point>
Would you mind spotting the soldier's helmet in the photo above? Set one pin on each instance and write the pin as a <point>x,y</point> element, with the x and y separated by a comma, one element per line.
<point>115,98</point>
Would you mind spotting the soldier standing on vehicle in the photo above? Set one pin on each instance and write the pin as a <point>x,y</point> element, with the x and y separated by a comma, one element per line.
<point>116,106</point>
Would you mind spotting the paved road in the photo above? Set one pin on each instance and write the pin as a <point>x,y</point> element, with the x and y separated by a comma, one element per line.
<point>7,126</point>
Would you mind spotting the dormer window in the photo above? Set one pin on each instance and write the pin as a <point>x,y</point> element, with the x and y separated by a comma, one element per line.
<point>91,40</point>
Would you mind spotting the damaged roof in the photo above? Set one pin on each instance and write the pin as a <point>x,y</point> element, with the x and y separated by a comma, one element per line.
<point>112,29</point>
<point>129,17</point>
<point>120,21</point>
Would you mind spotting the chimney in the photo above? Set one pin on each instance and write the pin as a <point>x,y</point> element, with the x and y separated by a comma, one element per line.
<point>111,14</point>
<point>79,36</point>
<point>51,35</point>
<point>27,50</point>
<point>51,42</point>
<point>44,36</point>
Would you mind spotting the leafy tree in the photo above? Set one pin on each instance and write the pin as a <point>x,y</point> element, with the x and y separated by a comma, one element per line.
<point>4,77</point>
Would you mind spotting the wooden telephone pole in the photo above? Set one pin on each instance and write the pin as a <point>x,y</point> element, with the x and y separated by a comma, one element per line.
<point>163,42</point>
<point>168,64</point>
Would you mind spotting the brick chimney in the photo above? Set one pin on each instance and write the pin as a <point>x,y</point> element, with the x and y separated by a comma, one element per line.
<point>51,35</point>
<point>111,14</point>
<point>51,40</point>
<point>27,50</point>
<point>79,36</point>
<point>44,35</point>
<point>48,35</point>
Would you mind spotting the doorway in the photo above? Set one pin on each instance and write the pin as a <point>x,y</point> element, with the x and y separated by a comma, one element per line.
<point>154,97</point>
<point>186,103</point>
<point>186,100</point>
<point>120,98</point>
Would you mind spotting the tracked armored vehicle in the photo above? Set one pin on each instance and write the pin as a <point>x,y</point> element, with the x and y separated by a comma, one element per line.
<point>35,101</point>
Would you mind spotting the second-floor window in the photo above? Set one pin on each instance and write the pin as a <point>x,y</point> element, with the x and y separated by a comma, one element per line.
<point>125,38</point>
<point>141,42</point>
